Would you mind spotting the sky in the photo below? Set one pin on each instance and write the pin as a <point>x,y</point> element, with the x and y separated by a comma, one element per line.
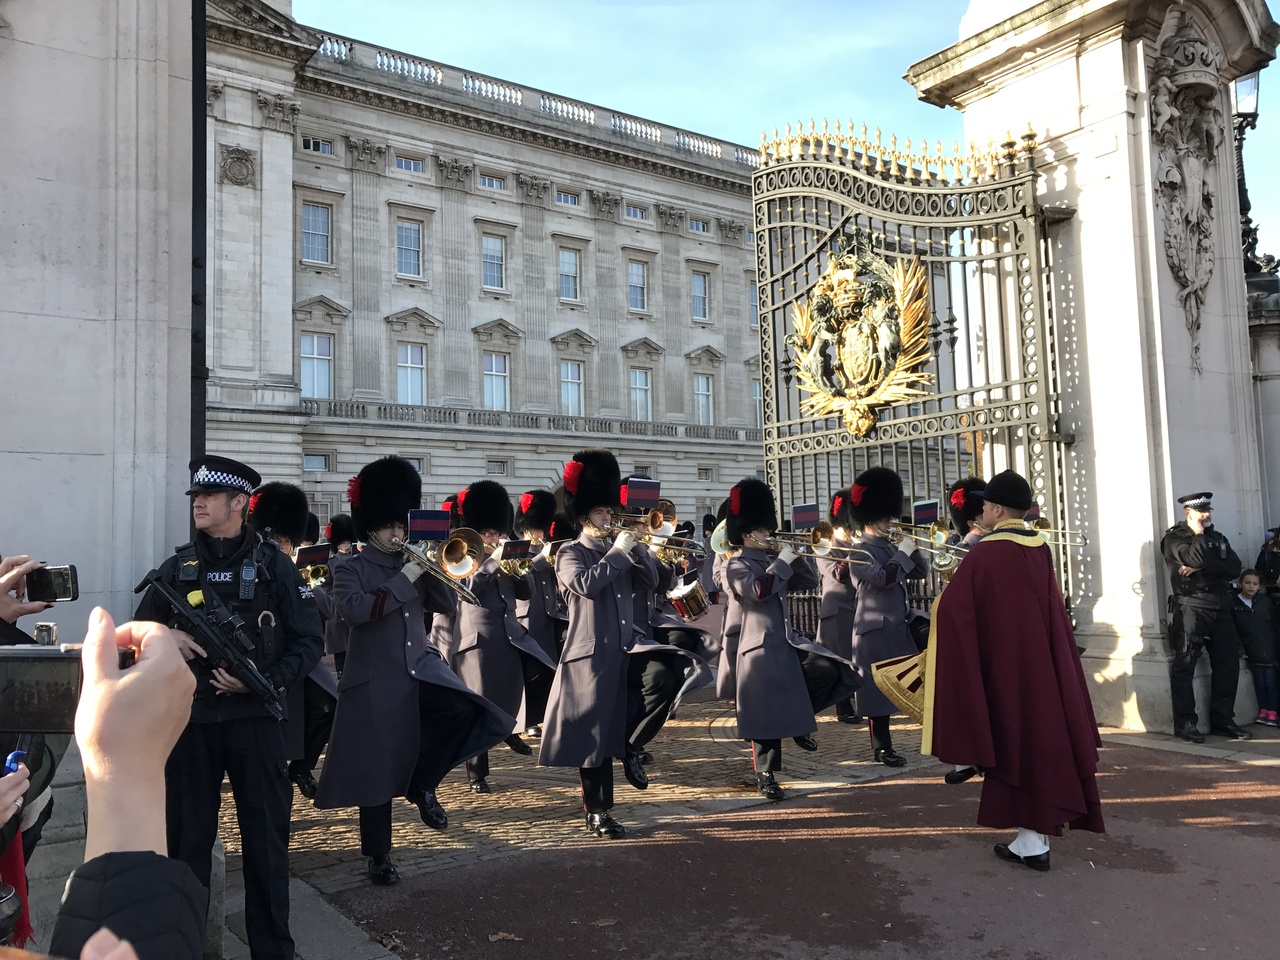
<point>725,68</point>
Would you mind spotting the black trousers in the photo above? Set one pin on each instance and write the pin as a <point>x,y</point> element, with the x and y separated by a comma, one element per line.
<point>318,706</point>
<point>653,680</point>
<point>538,678</point>
<point>446,717</point>
<point>821,677</point>
<point>597,787</point>
<point>766,755</point>
<point>1196,629</point>
<point>251,753</point>
<point>845,708</point>
<point>881,738</point>
<point>689,640</point>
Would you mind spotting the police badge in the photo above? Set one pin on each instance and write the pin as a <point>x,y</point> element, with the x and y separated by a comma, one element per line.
<point>861,338</point>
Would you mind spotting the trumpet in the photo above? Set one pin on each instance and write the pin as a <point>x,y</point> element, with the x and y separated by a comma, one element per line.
<point>1046,530</point>
<point>456,559</point>
<point>314,575</point>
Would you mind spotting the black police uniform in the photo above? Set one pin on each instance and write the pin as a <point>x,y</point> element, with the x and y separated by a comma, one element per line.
<point>234,735</point>
<point>1201,620</point>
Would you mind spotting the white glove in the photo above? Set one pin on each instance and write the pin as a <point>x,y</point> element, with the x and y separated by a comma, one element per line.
<point>786,555</point>
<point>626,540</point>
<point>497,551</point>
<point>413,570</point>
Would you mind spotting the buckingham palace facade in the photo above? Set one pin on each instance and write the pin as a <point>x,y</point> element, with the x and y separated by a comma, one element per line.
<point>409,258</point>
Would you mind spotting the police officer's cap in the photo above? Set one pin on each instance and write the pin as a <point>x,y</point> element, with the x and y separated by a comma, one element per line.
<point>1007,488</point>
<point>214,474</point>
<point>1197,501</point>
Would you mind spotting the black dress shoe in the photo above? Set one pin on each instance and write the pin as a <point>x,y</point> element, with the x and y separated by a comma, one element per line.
<point>890,758</point>
<point>633,770</point>
<point>646,757</point>
<point>806,743</point>
<point>960,776</point>
<point>605,827</point>
<point>849,718</point>
<point>517,745</point>
<point>768,787</point>
<point>382,872</point>
<point>1231,733</point>
<point>430,811</point>
<point>533,732</point>
<point>479,785</point>
<point>1188,732</point>
<point>1039,862</point>
<point>306,783</point>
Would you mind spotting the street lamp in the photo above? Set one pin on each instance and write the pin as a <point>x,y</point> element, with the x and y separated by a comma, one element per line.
<point>1244,97</point>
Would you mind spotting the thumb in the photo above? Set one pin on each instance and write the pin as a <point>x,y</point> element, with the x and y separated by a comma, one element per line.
<point>99,656</point>
<point>104,942</point>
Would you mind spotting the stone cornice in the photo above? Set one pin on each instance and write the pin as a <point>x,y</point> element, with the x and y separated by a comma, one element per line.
<point>495,126</point>
<point>252,25</point>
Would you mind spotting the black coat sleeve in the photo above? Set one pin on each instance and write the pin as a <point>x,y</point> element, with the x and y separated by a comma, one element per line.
<point>154,607</point>
<point>153,902</point>
<point>299,620</point>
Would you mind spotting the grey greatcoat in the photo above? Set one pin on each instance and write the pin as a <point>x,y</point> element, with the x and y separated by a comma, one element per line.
<point>880,617</point>
<point>543,613</point>
<point>336,628</point>
<point>652,613</point>
<point>586,720</point>
<point>727,673</point>
<point>490,639</point>
<point>835,611</point>
<point>376,728</point>
<point>772,697</point>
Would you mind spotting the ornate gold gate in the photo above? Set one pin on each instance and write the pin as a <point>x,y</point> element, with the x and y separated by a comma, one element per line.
<point>984,394</point>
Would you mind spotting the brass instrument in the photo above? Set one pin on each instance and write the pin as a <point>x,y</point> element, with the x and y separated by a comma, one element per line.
<point>520,566</point>
<point>315,575</point>
<point>775,544</point>
<point>719,544</point>
<point>648,529</point>
<point>455,560</point>
<point>938,532</point>
<point>1046,530</point>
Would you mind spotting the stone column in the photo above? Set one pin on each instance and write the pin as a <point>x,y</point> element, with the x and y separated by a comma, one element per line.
<point>456,246</point>
<point>611,304</point>
<point>541,382</point>
<point>1138,173</point>
<point>367,246</point>
<point>676,395</point>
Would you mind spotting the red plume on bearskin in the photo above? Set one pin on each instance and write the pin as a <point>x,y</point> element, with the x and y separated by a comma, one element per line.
<point>461,499</point>
<point>735,501</point>
<point>328,531</point>
<point>856,494</point>
<point>836,504</point>
<point>526,501</point>
<point>253,502</point>
<point>622,495</point>
<point>572,471</point>
<point>353,491</point>
<point>957,498</point>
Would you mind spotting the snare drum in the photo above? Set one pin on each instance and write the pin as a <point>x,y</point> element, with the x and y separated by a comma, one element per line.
<point>690,601</point>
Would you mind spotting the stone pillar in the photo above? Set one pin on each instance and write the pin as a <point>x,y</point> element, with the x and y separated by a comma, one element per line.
<point>541,382</point>
<point>368,330</point>
<point>1138,172</point>
<point>611,304</point>
<point>675,396</point>
<point>457,245</point>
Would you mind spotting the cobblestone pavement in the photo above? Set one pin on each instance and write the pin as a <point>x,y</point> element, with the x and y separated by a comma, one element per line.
<point>700,767</point>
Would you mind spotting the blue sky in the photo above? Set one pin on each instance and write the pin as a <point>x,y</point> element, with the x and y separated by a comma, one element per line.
<point>725,68</point>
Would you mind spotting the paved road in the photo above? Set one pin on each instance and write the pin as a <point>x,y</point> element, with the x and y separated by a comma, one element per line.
<point>854,864</point>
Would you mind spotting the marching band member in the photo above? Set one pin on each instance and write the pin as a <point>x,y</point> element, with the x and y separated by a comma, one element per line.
<point>279,512</point>
<point>880,614</point>
<point>341,537</point>
<point>965,505</point>
<point>543,614</point>
<point>492,644</point>
<point>783,679</point>
<point>731,626</point>
<point>839,594</point>
<point>404,719</point>
<point>586,721</point>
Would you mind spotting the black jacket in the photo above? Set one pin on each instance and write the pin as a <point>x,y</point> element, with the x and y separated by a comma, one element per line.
<point>297,640</point>
<point>1257,629</point>
<point>1212,556</point>
<point>153,902</point>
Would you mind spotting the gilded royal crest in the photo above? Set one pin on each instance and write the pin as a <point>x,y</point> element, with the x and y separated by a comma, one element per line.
<point>861,339</point>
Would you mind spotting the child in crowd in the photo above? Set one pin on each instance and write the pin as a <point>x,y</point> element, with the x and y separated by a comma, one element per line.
<point>1251,610</point>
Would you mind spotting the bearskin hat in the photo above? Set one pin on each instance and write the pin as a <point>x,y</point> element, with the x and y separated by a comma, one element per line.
<point>562,528</point>
<point>708,523</point>
<point>313,529</point>
<point>485,506</point>
<point>591,479</point>
<point>840,513</point>
<point>340,529</point>
<point>536,510</point>
<point>964,506</point>
<point>382,493</point>
<point>280,509</point>
<point>751,507</point>
<point>876,495</point>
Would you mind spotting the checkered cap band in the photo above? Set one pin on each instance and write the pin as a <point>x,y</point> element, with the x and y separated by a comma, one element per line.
<point>206,477</point>
<point>1199,503</point>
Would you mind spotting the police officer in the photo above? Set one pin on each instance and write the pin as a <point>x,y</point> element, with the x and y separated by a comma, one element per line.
<point>1201,568</point>
<point>231,732</point>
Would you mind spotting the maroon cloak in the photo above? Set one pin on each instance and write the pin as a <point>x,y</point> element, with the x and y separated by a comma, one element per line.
<point>1008,690</point>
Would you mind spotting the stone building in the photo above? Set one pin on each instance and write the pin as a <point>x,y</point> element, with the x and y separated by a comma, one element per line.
<point>410,258</point>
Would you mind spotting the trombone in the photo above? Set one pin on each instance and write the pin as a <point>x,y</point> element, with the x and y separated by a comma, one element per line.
<point>455,560</point>
<point>1046,530</point>
<point>801,548</point>
<point>819,541</point>
<point>937,532</point>
<point>649,529</point>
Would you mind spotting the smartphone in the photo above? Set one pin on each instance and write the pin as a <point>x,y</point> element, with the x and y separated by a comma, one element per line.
<point>53,584</point>
<point>39,689</point>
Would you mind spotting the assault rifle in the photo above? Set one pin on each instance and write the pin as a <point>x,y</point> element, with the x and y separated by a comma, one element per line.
<point>221,633</point>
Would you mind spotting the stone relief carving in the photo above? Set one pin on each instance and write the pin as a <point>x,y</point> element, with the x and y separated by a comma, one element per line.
<point>212,94</point>
<point>1187,127</point>
<point>365,154</point>
<point>279,112</point>
<point>453,172</point>
<point>605,204</point>
<point>671,217</point>
<point>731,229</point>
<point>534,188</point>
<point>237,166</point>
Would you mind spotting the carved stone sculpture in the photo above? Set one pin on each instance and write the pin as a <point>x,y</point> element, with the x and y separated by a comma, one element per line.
<point>1188,127</point>
<point>237,166</point>
<point>279,112</point>
<point>453,172</point>
<point>365,154</point>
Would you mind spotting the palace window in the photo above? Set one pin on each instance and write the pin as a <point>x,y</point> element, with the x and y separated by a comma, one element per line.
<point>493,255</point>
<point>316,145</point>
<point>703,407</point>
<point>701,284</point>
<point>637,285</point>
<point>569,274</point>
<point>408,248</point>
<point>411,373</point>
<point>492,183</point>
<point>316,230</point>
<point>568,199</point>
<point>317,366</point>
<point>753,305</point>
<point>637,213</point>
<point>571,388</point>
<point>496,381</point>
<point>641,394</point>
<point>411,164</point>
<point>699,226</point>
